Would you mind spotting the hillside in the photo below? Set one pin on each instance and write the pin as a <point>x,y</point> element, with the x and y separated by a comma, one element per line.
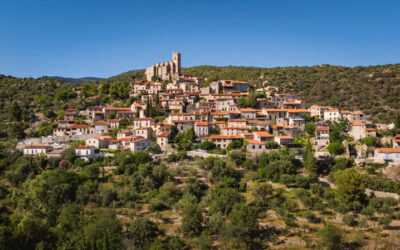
<point>374,89</point>
<point>46,95</point>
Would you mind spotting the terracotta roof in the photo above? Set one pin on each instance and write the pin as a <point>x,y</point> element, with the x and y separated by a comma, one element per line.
<point>100,123</point>
<point>263,134</point>
<point>202,124</point>
<point>237,120</point>
<point>105,137</point>
<point>122,139</point>
<point>254,142</point>
<point>285,137</point>
<point>322,129</point>
<point>298,110</point>
<point>184,121</point>
<point>84,147</point>
<point>248,110</point>
<point>117,108</point>
<point>262,122</point>
<point>370,129</point>
<point>138,140</point>
<point>388,150</point>
<point>144,128</point>
<point>143,119</point>
<point>79,126</point>
<point>239,128</point>
<point>165,134</point>
<point>219,113</point>
<point>223,137</point>
<point>275,110</point>
<point>357,124</point>
<point>165,126</point>
<point>235,81</point>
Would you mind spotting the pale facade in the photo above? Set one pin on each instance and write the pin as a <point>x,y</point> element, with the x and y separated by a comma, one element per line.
<point>36,150</point>
<point>389,155</point>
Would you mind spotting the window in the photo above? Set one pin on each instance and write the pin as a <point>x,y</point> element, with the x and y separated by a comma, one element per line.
<point>259,146</point>
<point>253,147</point>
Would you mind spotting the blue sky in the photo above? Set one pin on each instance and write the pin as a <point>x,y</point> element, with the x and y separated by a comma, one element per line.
<point>104,38</point>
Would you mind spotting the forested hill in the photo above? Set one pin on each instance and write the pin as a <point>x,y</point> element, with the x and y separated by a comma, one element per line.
<point>373,89</point>
<point>74,80</point>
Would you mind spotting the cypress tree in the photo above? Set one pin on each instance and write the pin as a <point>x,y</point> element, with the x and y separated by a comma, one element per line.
<point>309,160</point>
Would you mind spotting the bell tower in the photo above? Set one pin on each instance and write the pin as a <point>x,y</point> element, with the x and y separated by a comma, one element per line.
<point>176,59</point>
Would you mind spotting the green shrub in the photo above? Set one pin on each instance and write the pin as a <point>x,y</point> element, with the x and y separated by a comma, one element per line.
<point>349,220</point>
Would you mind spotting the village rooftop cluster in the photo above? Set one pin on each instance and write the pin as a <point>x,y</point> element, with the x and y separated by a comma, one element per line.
<point>211,111</point>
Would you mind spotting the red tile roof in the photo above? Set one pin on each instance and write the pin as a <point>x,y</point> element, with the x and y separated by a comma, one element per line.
<point>100,123</point>
<point>79,126</point>
<point>263,134</point>
<point>223,137</point>
<point>322,129</point>
<point>84,147</point>
<point>357,124</point>
<point>165,134</point>
<point>388,150</point>
<point>202,123</point>
<point>254,142</point>
<point>285,137</point>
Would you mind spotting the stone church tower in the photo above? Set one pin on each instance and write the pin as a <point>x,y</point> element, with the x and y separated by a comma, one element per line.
<point>165,70</point>
<point>176,59</point>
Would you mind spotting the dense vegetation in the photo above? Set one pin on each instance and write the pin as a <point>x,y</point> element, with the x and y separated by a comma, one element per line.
<point>234,203</point>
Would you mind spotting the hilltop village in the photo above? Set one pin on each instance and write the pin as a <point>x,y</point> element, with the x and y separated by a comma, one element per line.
<point>163,159</point>
<point>217,116</point>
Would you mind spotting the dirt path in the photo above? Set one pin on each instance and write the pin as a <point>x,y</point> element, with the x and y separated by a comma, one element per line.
<point>379,194</point>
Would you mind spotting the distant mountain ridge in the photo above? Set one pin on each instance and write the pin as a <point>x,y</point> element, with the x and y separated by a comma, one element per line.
<point>79,80</point>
